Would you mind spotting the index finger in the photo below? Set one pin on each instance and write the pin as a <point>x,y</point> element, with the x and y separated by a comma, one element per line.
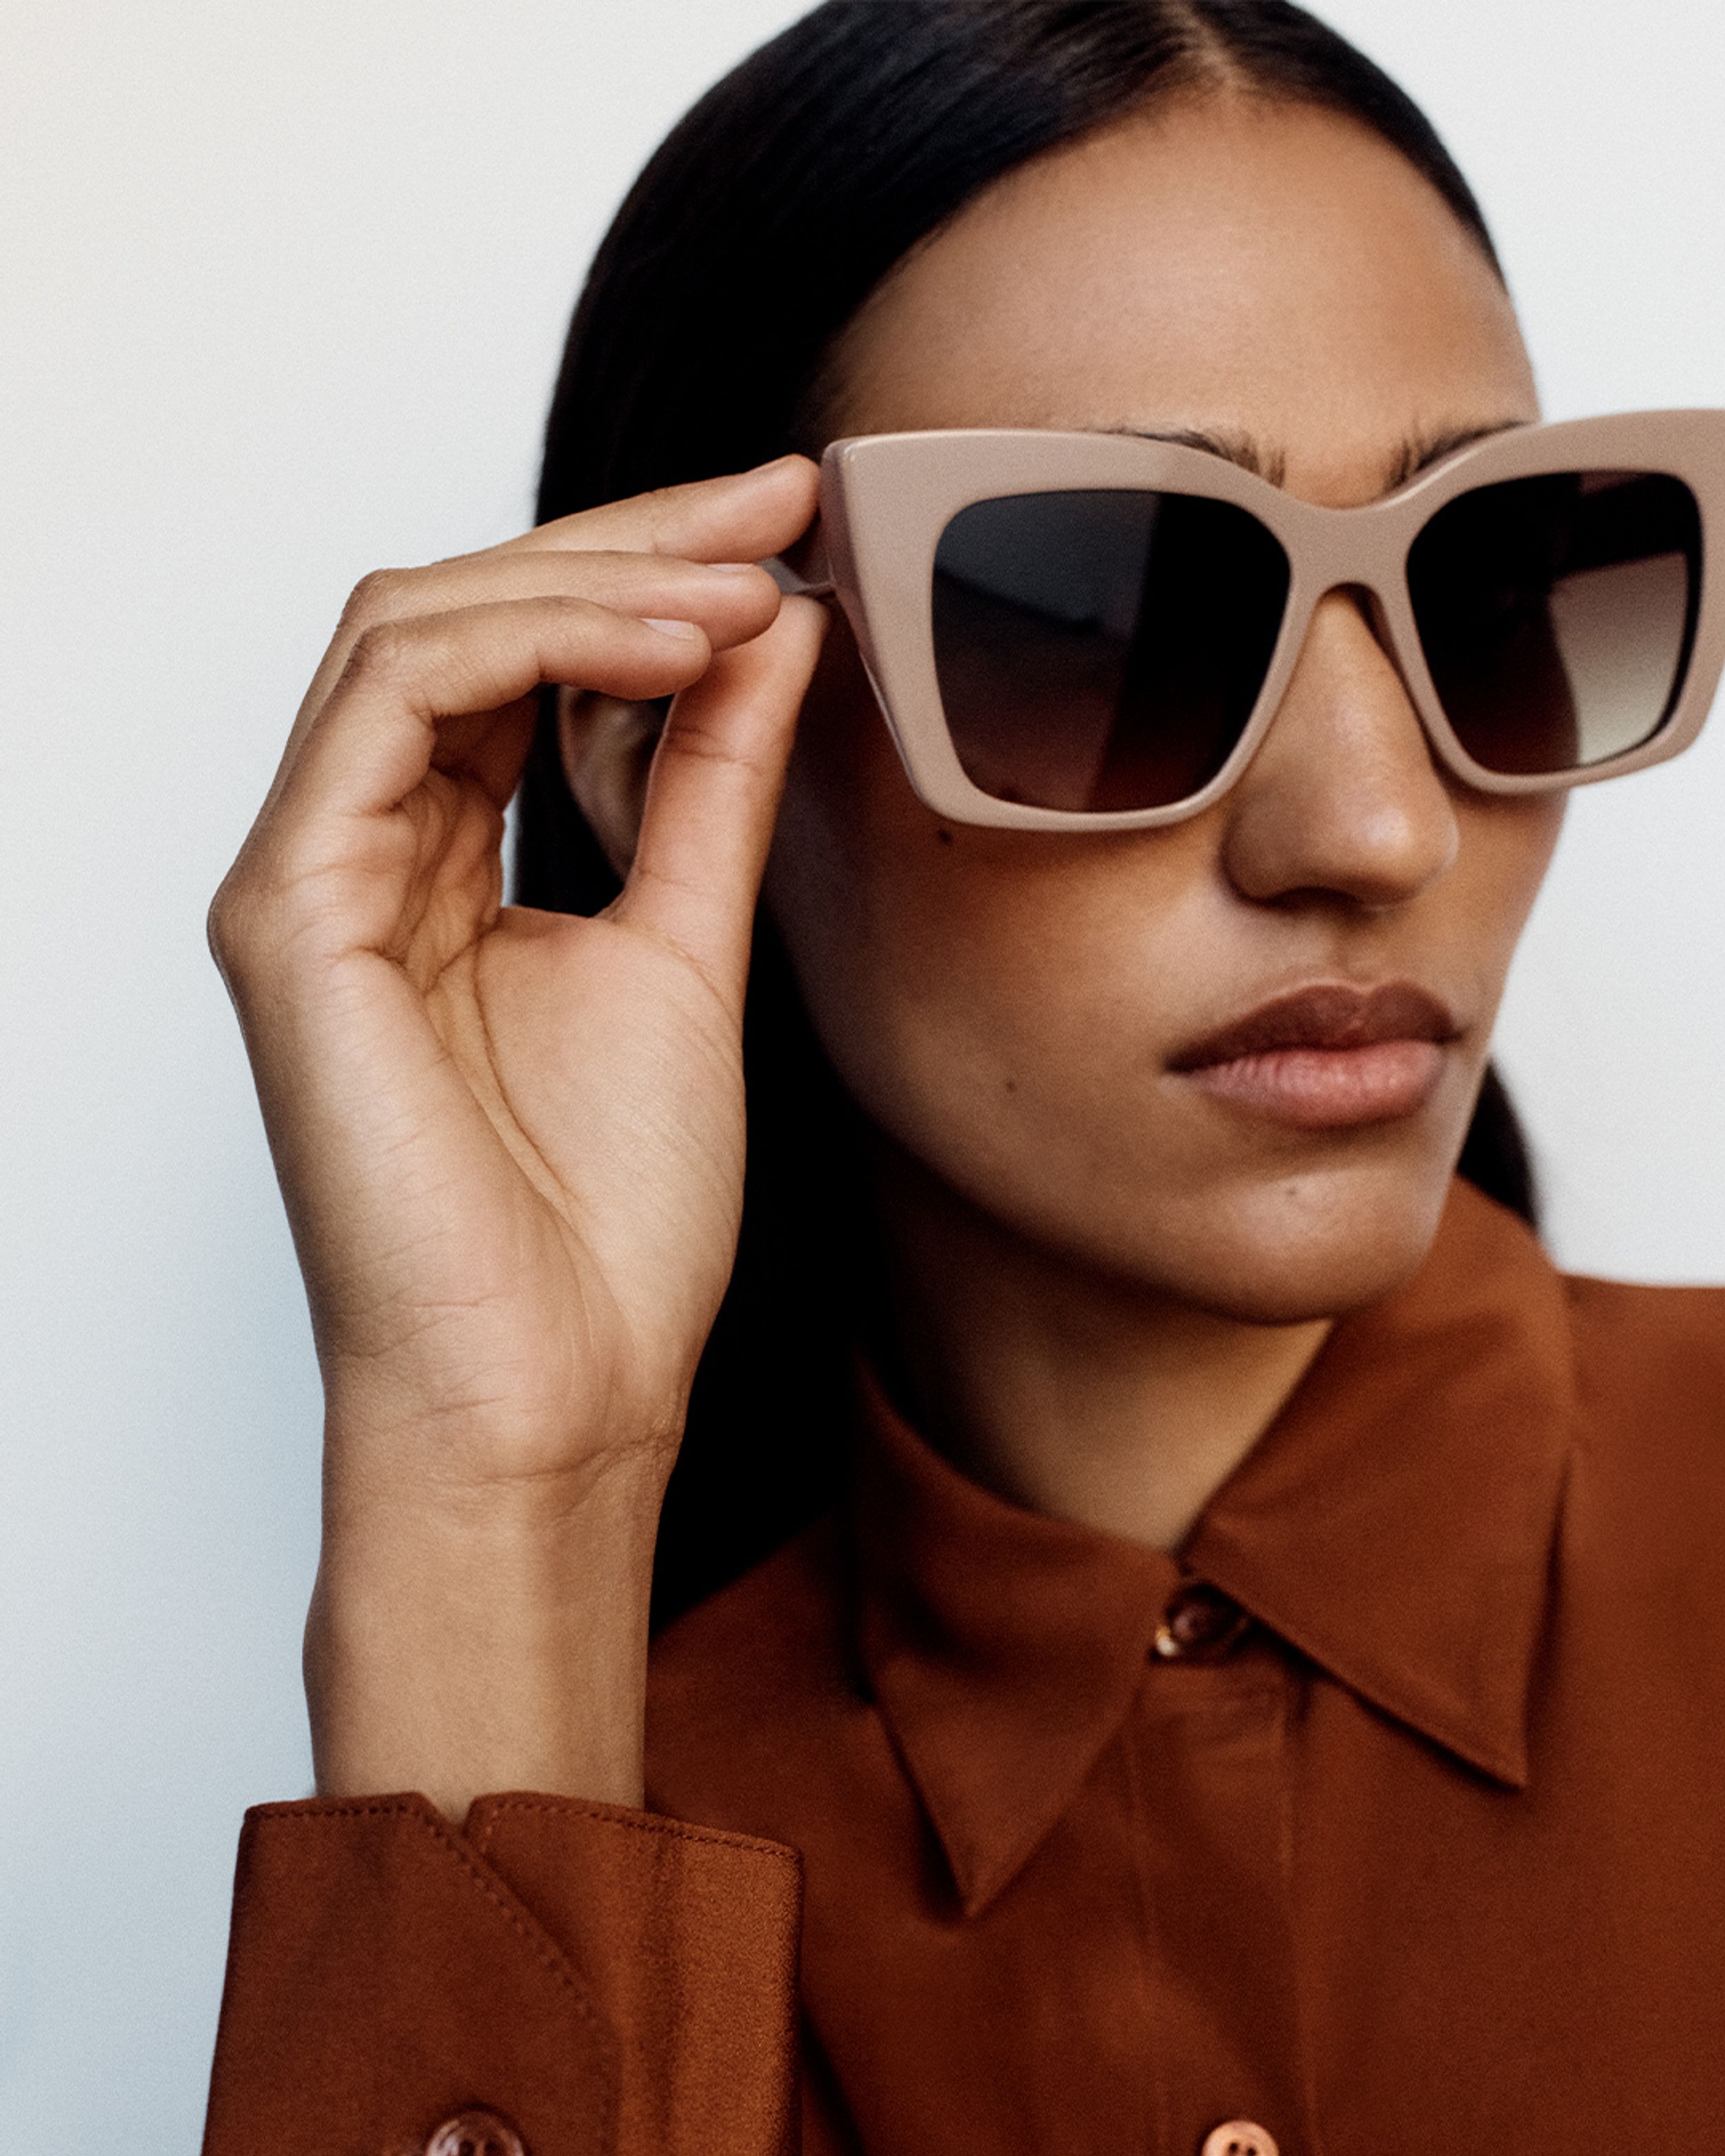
<point>742,517</point>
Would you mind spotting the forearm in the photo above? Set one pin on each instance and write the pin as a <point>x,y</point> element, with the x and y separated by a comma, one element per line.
<point>488,1644</point>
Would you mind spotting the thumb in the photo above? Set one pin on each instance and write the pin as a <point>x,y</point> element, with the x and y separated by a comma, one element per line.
<point>713,795</point>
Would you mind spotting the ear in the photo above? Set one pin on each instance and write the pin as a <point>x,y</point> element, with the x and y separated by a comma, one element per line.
<point>607,748</point>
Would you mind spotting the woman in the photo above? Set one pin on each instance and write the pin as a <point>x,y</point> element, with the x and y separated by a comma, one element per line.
<point>1233,1661</point>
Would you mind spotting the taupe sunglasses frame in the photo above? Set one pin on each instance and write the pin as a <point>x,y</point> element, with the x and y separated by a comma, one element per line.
<point>886,498</point>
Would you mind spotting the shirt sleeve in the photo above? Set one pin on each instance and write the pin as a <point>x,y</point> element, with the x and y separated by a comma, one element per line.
<point>602,1982</point>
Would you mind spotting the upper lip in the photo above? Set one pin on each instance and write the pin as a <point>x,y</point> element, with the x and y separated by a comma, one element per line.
<point>1328,1014</point>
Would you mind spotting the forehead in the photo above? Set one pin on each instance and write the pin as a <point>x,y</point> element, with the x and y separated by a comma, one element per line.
<point>1264,272</point>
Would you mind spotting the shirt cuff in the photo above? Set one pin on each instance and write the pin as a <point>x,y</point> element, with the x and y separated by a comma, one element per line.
<point>607,1982</point>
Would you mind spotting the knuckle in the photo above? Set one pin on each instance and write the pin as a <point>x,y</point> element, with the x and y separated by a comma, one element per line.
<point>694,745</point>
<point>266,916</point>
<point>383,650</point>
<point>664,510</point>
<point>575,610</point>
<point>218,925</point>
<point>376,597</point>
<point>228,924</point>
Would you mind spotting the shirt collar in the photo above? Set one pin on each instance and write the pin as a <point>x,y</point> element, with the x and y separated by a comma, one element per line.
<point>1394,1525</point>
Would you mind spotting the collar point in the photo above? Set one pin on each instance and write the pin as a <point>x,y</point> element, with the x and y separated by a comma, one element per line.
<point>1501,1758</point>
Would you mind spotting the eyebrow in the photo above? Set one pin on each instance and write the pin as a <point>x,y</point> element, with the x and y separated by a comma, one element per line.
<point>1416,455</point>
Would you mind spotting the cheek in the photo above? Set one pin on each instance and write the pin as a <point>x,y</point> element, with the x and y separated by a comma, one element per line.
<point>870,892</point>
<point>1507,847</point>
<point>989,998</point>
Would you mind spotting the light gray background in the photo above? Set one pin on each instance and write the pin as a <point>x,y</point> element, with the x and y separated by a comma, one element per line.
<point>283,287</point>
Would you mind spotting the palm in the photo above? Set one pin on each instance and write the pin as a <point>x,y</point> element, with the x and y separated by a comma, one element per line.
<point>590,1224</point>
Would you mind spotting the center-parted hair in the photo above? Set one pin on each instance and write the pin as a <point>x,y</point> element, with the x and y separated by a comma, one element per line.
<point>700,346</point>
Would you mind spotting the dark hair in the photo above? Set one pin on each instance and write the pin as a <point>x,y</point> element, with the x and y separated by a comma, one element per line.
<point>748,244</point>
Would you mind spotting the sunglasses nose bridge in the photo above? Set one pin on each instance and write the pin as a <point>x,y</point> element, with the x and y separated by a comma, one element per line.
<point>1361,553</point>
<point>1368,603</point>
<point>1349,550</point>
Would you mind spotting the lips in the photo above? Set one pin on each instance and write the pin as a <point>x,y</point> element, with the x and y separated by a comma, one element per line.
<point>1333,1016</point>
<point>1327,1056</point>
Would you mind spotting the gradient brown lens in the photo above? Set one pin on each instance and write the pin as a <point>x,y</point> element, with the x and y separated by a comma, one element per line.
<point>1102,649</point>
<point>1557,614</point>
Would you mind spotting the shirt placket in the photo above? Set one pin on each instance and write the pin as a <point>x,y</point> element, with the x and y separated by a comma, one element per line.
<point>1208,1752</point>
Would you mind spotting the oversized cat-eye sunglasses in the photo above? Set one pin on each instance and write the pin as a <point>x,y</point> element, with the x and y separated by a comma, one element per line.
<point>1077,631</point>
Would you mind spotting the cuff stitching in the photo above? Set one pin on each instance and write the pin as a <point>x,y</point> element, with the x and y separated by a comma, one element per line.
<point>674,1830</point>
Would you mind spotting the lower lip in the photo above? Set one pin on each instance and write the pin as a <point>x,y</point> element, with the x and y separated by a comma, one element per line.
<point>1328,1088</point>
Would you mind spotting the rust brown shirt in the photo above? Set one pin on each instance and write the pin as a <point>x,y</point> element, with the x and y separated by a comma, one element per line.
<point>1389,1816</point>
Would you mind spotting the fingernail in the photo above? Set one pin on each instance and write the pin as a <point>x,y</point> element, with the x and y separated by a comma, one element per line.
<point>683,630</point>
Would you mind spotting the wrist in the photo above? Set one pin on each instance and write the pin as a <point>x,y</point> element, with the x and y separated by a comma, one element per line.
<point>460,1643</point>
<point>513,1469</point>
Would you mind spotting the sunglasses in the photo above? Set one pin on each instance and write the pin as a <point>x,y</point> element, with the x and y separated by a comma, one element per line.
<point>1070,631</point>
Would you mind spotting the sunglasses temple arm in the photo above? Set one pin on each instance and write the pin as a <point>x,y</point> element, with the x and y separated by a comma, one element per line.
<point>815,580</point>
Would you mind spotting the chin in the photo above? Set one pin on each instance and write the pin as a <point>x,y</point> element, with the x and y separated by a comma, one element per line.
<point>1305,1244</point>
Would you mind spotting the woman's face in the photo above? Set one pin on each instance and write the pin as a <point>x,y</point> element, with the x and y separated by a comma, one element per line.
<point>1012,1009</point>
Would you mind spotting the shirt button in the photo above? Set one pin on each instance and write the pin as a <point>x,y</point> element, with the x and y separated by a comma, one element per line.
<point>477,2133</point>
<point>1238,2138</point>
<point>1200,1623</point>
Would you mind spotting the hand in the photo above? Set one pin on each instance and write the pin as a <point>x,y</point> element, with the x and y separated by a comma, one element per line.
<point>510,1142</point>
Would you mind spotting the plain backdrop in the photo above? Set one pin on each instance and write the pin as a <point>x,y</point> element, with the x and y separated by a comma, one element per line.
<point>283,287</point>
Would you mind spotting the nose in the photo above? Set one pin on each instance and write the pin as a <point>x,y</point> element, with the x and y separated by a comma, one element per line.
<point>1342,799</point>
